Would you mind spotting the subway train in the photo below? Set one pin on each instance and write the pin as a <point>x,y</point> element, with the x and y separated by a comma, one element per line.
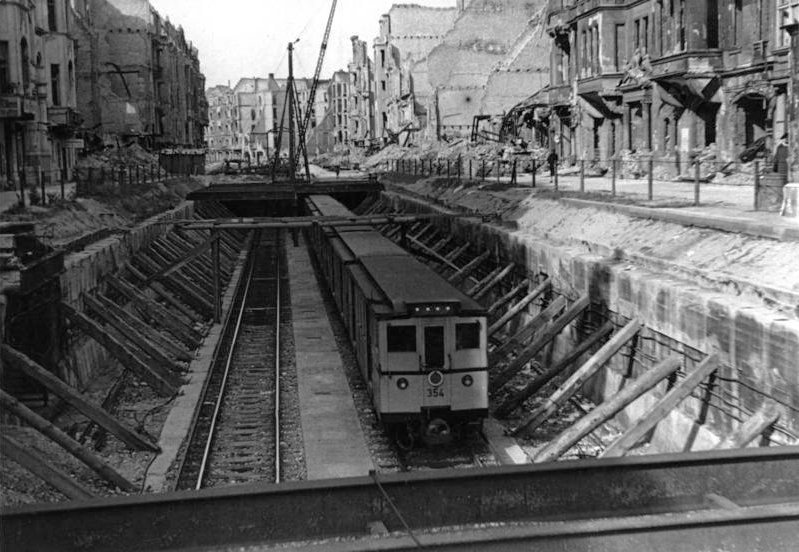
<point>421,344</point>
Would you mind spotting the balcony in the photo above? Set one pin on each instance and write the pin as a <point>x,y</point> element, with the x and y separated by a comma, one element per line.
<point>15,105</point>
<point>63,117</point>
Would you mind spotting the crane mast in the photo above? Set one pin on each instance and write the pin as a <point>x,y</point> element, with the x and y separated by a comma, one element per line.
<point>303,127</point>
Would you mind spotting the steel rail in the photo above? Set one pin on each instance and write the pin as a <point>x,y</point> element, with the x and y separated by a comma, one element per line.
<point>220,396</point>
<point>277,359</point>
<point>265,512</point>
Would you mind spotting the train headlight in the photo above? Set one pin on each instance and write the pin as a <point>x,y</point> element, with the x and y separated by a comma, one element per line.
<point>467,380</point>
<point>435,378</point>
<point>402,383</point>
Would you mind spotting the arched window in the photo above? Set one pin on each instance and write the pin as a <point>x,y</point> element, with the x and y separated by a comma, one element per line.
<point>26,63</point>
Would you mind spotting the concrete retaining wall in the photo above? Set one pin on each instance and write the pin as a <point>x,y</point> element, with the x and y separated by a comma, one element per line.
<point>758,348</point>
<point>83,272</point>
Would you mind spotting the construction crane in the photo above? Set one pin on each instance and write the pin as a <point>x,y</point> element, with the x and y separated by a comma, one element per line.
<point>303,127</point>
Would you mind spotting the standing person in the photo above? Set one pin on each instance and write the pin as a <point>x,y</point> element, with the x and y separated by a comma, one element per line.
<point>338,170</point>
<point>552,160</point>
<point>781,158</point>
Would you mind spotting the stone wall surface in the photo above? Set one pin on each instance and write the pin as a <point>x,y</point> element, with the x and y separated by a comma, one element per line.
<point>83,273</point>
<point>688,313</point>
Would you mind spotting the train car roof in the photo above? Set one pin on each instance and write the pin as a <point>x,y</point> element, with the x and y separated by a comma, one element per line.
<point>404,280</point>
<point>370,243</point>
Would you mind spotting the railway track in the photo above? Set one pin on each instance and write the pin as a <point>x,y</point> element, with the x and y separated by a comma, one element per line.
<point>236,436</point>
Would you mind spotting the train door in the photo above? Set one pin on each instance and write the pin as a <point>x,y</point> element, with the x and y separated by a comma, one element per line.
<point>435,391</point>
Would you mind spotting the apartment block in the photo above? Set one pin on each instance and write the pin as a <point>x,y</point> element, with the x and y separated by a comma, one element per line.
<point>38,117</point>
<point>138,76</point>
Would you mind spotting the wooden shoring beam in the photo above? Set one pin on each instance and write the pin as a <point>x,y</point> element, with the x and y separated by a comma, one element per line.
<point>190,256</point>
<point>165,294</point>
<point>182,285</point>
<point>204,261</point>
<point>12,405</point>
<point>164,260</point>
<point>468,268</point>
<point>754,426</point>
<point>424,230</point>
<point>436,256</point>
<point>517,340</point>
<point>393,231</point>
<point>153,310</point>
<point>228,244</point>
<point>547,334</point>
<point>157,338</point>
<point>161,382</point>
<point>577,379</point>
<point>487,278</point>
<point>39,466</point>
<point>599,415</point>
<point>504,273</point>
<point>73,397</point>
<point>442,243</point>
<point>499,303</point>
<point>308,221</point>
<point>661,409</point>
<point>453,255</point>
<point>518,307</point>
<point>130,333</point>
<point>515,400</point>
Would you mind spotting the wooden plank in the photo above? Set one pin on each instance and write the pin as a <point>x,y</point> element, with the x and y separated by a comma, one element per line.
<point>160,258</point>
<point>513,343</point>
<point>479,285</point>
<point>162,383</point>
<point>182,261</point>
<point>153,335</point>
<point>518,307</point>
<point>576,380</point>
<point>163,317</point>
<point>494,281</point>
<point>547,334</point>
<point>75,399</point>
<point>515,400</point>
<point>442,243</point>
<point>425,229</point>
<point>189,291</point>
<point>12,405</point>
<point>666,404</point>
<point>599,415</point>
<point>166,295</point>
<point>130,333</point>
<point>39,466</point>
<point>453,255</point>
<point>436,256</point>
<point>753,427</point>
<point>468,268</point>
<point>525,284</point>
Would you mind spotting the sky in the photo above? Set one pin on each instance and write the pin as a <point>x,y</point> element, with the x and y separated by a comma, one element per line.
<point>248,38</point>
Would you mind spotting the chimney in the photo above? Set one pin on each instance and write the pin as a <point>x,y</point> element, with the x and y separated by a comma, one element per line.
<point>271,76</point>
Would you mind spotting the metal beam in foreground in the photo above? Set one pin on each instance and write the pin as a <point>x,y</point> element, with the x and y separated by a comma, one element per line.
<point>556,491</point>
<point>308,221</point>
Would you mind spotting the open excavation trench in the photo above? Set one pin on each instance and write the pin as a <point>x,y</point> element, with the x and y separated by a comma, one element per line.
<point>607,354</point>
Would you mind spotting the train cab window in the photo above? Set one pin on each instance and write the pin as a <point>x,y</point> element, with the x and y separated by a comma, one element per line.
<point>467,336</point>
<point>401,339</point>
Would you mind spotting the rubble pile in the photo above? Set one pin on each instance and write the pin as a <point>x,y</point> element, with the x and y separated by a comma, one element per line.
<point>118,157</point>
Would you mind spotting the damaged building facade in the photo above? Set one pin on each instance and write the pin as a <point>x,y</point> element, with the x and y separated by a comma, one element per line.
<point>361,105</point>
<point>220,135</point>
<point>138,76</point>
<point>666,78</point>
<point>408,33</point>
<point>38,116</point>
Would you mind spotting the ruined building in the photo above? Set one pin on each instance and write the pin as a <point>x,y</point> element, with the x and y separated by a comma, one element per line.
<point>38,118</point>
<point>408,33</point>
<point>220,135</point>
<point>668,77</point>
<point>138,77</point>
<point>247,117</point>
<point>361,105</point>
<point>497,39</point>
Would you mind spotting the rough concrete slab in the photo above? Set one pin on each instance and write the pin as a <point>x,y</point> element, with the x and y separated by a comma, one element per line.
<point>506,450</point>
<point>334,442</point>
<point>181,416</point>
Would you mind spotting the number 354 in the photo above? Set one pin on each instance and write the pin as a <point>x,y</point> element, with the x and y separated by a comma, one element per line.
<point>435,392</point>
